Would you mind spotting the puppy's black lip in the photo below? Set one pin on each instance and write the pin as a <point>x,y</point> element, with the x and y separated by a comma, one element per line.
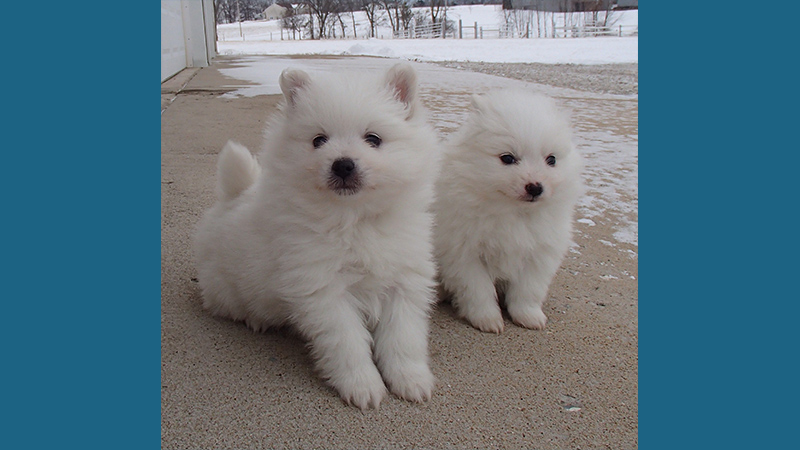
<point>344,187</point>
<point>345,191</point>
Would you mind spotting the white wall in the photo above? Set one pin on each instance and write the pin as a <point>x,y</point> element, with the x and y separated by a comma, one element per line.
<point>187,35</point>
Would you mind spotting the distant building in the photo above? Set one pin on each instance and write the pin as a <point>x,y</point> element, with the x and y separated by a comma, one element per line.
<point>571,5</point>
<point>274,11</point>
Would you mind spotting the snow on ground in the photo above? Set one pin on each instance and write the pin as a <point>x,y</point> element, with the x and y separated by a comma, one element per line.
<point>264,38</point>
<point>605,50</point>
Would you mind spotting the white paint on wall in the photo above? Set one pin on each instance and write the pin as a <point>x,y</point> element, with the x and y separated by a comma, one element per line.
<point>187,35</point>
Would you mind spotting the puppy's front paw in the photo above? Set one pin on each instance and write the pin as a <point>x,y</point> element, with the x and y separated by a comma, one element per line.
<point>414,384</point>
<point>528,316</point>
<point>487,324</point>
<point>489,320</point>
<point>485,316</point>
<point>364,390</point>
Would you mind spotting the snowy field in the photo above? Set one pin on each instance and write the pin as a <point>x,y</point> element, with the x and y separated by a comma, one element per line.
<point>606,126</point>
<point>264,38</point>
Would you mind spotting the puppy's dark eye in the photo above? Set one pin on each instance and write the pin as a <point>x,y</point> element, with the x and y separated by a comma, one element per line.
<point>508,159</point>
<point>319,140</point>
<point>551,160</point>
<point>373,140</point>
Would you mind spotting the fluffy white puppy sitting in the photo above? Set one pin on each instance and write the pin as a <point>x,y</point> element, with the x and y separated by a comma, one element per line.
<point>505,198</point>
<point>329,231</point>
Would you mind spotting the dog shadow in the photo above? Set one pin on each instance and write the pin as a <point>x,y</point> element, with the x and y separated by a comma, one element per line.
<point>280,350</point>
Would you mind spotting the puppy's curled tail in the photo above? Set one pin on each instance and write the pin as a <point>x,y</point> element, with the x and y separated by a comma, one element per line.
<point>237,170</point>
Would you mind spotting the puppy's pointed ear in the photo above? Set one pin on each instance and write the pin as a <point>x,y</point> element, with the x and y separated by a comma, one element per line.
<point>402,80</point>
<point>291,82</point>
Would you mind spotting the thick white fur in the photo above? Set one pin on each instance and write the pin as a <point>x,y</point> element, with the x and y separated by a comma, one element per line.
<point>487,237</point>
<point>354,274</point>
<point>237,170</point>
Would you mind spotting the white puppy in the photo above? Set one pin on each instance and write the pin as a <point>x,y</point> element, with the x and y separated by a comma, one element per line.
<point>329,231</point>
<point>505,198</point>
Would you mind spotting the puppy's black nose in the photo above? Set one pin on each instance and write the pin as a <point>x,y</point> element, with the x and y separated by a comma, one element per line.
<point>343,167</point>
<point>534,190</point>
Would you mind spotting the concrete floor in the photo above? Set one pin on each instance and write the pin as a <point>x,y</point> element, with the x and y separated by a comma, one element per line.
<point>572,385</point>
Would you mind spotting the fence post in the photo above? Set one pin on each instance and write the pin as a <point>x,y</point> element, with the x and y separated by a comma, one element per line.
<point>481,32</point>
<point>620,31</point>
<point>460,35</point>
<point>476,30</point>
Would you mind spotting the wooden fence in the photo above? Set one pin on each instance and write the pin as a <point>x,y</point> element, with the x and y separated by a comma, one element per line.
<point>617,30</point>
<point>505,31</point>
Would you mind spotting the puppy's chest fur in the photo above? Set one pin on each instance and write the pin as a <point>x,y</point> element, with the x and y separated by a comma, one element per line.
<point>373,257</point>
<point>372,251</point>
<point>506,243</point>
<point>365,253</point>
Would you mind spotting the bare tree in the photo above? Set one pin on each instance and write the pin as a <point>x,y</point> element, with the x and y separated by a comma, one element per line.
<point>252,9</point>
<point>610,17</point>
<point>437,8</point>
<point>292,21</point>
<point>566,6</point>
<point>406,15</point>
<point>321,11</point>
<point>310,26</point>
<point>519,21</point>
<point>344,9</point>
<point>399,13</point>
<point>225,11</point>
<point>351,6</point>
<point>398,21</point>
<point>388,5</point>
<point>229,11</point>
<point>337,15</point>
<point>370,8</point>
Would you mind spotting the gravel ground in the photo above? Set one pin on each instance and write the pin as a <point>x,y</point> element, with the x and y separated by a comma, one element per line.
<point>621,79</point>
